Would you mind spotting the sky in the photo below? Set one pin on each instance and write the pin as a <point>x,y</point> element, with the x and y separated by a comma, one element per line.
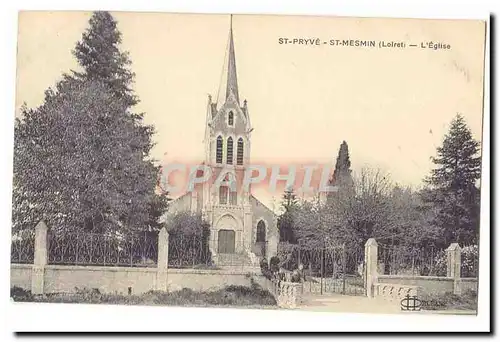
<point>392,105</point>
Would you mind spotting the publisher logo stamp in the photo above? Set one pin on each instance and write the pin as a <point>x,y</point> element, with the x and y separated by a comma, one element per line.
<point>410,303</point>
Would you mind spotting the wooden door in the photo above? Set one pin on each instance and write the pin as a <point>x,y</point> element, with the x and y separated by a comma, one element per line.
<point>226,241</point>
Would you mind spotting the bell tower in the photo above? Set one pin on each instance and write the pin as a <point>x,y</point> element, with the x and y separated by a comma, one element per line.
<point>227,153</point>
<point>228,128</point>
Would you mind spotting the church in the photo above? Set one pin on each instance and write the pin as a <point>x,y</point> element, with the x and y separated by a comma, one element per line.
<point>242,229</point>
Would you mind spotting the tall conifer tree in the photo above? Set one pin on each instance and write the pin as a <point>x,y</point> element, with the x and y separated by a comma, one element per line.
<point>286,219</point>
<point>81,159</point>
<point>452,190</point>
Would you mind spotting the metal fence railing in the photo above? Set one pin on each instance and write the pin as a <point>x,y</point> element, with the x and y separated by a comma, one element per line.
<point>411,260</point>
<point>22,248</point>
<point>134,249</point>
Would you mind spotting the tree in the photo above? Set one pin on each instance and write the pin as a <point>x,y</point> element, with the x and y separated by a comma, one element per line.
<point>99,55</point>
<point>452,192</point>
<point>189,236</point>
<point>286,219</point>
<point>371,207</point>
<point>81,159</point>
<point>342,173</point>
<point>187,223</point>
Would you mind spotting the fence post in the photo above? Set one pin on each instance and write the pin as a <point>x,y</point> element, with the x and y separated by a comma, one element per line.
<point>371,261</point>
<point>40,258</point>
<point>453,265</point>
<point>162,265</point>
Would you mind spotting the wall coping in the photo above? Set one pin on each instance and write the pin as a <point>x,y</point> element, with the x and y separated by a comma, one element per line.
<point>468,279</point>
<point>410,277</point>
<point>29,266</point>
<point>138,269</point>
<point>397,285</point>
<point>101,268</point>
<point>289,283</point>
<point>210,271</point>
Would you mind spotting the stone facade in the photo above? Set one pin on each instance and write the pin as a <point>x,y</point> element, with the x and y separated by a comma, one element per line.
<point>240,224</point>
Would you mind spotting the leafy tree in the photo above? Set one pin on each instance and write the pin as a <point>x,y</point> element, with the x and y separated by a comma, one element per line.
<point>81,159</point>
<point>452,192</point>
<point>372,207</point>
<point>189,236</point>
<point>187,223</point>
<point>286,219</point>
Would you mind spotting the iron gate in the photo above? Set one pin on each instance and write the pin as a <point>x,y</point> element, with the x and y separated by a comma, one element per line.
<point>329,269</point>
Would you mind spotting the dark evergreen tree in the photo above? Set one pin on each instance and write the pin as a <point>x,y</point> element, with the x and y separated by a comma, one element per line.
<point>452,187</point>
<point>342,175</point>
<point>99,55</point>
<point>286,219</point>
<point>81,159</point>
<point>342,172</point>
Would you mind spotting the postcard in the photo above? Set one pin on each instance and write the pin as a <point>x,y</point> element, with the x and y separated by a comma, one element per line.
<point>308,163</point>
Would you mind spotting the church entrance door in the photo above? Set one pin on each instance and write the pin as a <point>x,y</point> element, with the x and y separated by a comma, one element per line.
<point>226,241</point>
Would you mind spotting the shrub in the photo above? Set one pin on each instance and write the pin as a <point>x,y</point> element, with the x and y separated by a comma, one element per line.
<point>264,268</point>
<point>469,262</point>
<point>274,264</point>
<point>20,295</point>
<point>440,264</point>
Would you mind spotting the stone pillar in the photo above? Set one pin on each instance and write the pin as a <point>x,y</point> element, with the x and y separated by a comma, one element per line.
<point>162,265</point>
<point>40,260</point>
<point>453,265</point>
<point>371,261</point>
<point>213,232</point>
<point>248,228</point>
<point>213,244</point>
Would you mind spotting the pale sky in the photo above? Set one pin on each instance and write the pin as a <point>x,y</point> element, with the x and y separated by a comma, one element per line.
<point>392,106</point>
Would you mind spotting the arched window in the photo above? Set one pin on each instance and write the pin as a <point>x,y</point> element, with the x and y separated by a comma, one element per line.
<point>261,231</point>
<point>239,153</point>
<point>230,150</point>
<point>223,191</point>
<point>230,119</point>
<point>233,198</point>
<point>218,155</point>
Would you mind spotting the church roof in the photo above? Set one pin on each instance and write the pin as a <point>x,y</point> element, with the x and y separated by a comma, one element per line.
<point>262,204</point>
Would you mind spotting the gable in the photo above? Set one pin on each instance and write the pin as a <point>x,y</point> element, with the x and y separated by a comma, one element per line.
<point>220,122</point>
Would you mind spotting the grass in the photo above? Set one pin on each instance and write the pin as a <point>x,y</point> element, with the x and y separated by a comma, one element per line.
<point>450,301</point>
<point>230,296</point>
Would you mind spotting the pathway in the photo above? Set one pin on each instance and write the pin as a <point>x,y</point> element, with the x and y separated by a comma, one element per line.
<point>333,302</point>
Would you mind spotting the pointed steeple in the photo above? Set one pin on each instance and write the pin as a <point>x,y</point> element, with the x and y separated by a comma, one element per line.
<point>232,80</point>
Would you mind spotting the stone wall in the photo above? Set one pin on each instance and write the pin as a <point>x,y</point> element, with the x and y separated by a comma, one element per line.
<point>426,285</point>
<point>468,284</point>
<point>65,279</point>
<point>205,280</point>
<point>398,286</point>
<point>20,276</point>
<point>41,278</point>
<point>287,294</point>
<point>107,279</point>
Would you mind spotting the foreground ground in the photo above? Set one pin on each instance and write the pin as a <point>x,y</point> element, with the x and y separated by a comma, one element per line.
<point>255,297</point>
<point>231,296</point>
<point>442,304</point>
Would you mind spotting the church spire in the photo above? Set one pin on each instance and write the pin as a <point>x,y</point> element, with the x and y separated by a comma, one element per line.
<point>232,81</point>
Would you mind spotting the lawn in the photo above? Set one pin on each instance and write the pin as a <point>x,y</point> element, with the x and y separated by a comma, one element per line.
<point>230,296</point>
